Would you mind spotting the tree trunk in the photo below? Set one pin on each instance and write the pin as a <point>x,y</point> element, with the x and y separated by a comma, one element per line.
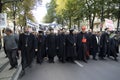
<point>14,15</point>
<point>90,21</point>
<point>102,18</point>
<point>25,20</point>
<point>92,24</point>
<point>0,6</point>
<point>118,24</point>
<point>70,22</point>
<point>108,12</point>
<point>78,23</point>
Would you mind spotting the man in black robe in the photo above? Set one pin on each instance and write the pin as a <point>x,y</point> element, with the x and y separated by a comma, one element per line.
<point>46,50</point>
<point>61,41</point>
<point>94,45</point>
<point>113,46</point>
<point>27,45</point>
<point>51,45</point>
<point>57,43</point>
<point>70,46</point>
<point>41,47</point>
<point>82,45</point>
<point>104,43</point>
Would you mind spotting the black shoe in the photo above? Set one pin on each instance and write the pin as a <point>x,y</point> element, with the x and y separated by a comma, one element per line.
<point>11,68</point>
<point>63,61</point>
<point>88,58</point>
<point>30,66</point>
<point>116,59</point>
<point>16,67</point>
<point>95,59</point>
<point>85,61</point>
<point>39,62</point>
<point>52,61</point>
<point>102,58</point>
<point>49,61</point>
<point>22,73</point>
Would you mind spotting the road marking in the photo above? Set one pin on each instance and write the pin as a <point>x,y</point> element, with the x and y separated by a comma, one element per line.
<point>78,63</point>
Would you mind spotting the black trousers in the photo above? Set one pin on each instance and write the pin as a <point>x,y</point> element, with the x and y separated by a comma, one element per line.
<point>12,56</point>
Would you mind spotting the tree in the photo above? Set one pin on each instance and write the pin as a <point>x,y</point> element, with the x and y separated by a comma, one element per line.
<point>23,10</point>
<point>76,10</point>
<point>51,14</point>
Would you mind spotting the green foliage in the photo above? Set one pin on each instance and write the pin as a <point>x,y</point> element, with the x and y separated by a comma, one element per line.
<point>22,10</point>
<point>77,10</point>
<point>51,13</point>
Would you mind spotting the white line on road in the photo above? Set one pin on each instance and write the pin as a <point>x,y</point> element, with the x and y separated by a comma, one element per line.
<point>78,63</point>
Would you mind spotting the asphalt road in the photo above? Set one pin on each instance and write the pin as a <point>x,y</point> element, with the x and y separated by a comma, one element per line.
<point>93,70</point>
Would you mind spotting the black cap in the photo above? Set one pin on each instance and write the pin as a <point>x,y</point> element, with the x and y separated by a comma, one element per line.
<point>106,29</point>
<point>40,31</point>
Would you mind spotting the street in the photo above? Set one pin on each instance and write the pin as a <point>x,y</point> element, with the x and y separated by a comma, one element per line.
<point>93,70</point>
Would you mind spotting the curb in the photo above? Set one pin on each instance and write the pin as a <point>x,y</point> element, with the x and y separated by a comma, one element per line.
<point>17,73</point>
<point>3,66</point>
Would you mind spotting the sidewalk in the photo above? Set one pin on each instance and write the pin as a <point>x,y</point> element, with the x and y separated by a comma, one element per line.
<point>3,61</point>
<point>5,73</point>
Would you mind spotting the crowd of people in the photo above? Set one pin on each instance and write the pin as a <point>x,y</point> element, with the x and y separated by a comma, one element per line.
<point>67,46</point>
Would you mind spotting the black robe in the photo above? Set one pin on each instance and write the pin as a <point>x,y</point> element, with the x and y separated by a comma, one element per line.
<point>104,43</point>
<point>27,45</point>
<point>41,48</point>
<point>57,45</point>
<point>93,45</point>
<point>113,47</point>
<point>51,45</point>
<point>82,48</point>
<point>61,41</point>
<point>70,48</point>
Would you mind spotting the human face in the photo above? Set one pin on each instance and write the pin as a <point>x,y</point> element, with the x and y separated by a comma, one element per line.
<point>52,31</point>
<point>26,30</point>
<point>7,32</point>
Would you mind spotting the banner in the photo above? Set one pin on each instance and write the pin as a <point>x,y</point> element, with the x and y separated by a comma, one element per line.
<point>109,24</point>
<point>3,20</point>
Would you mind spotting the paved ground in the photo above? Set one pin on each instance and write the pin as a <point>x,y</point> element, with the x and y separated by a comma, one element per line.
<point>3,60</point>
<point>5,73</point>
<point>93,70</point>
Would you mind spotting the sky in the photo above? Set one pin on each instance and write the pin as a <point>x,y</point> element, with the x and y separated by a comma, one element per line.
<point>40,11</point>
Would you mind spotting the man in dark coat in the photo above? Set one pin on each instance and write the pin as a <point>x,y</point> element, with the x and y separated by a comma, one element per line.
<point>27,46</point>
<point>61,41</point>
<point>70,46</point>
<point>57,43</point>
<point>113,46</point>
<point>104,43</point>
<point>51,45</point>
<point>46,50</point>
<point>82,45</point>
<point>94,45</point>
<point>41,47</point>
